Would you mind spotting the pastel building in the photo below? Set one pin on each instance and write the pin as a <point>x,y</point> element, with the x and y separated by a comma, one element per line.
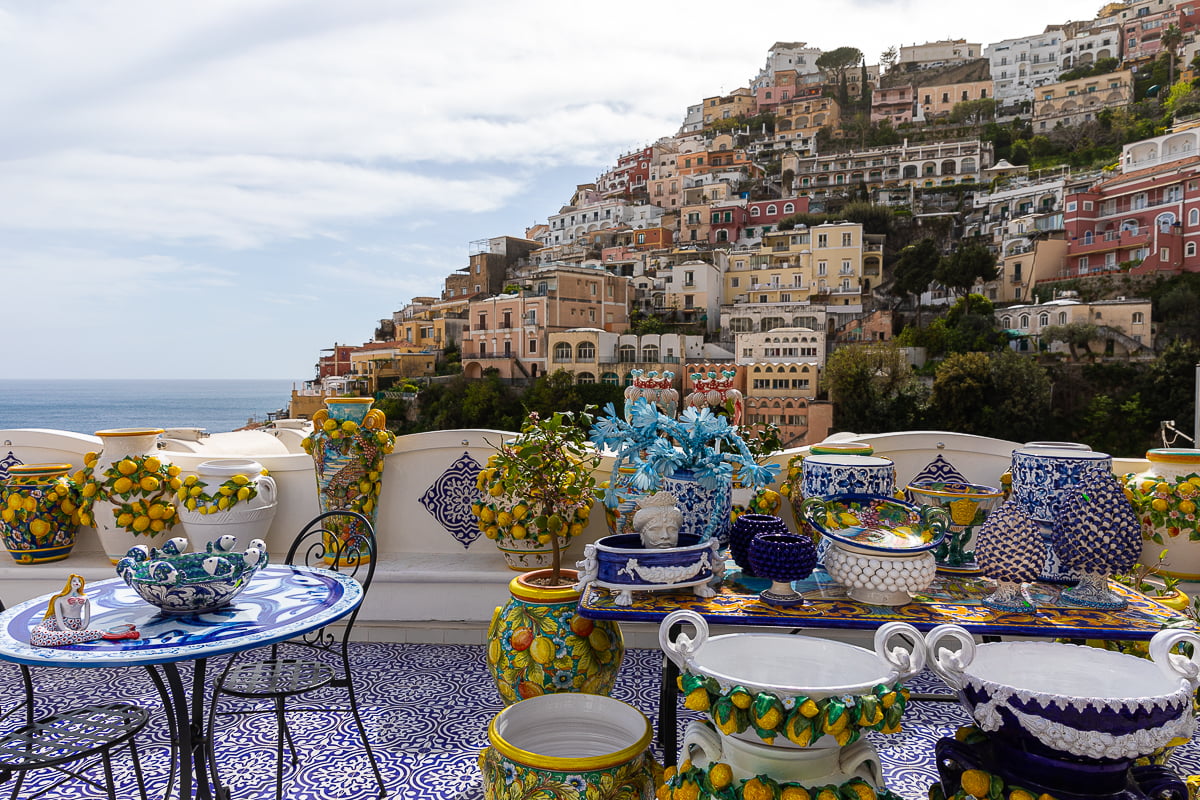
<point>592,355</point>
<point>1123,325</point>
<point>1072,102</point>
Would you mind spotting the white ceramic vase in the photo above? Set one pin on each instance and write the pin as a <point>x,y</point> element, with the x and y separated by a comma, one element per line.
<point>135,444</point>
<point>247,520</point>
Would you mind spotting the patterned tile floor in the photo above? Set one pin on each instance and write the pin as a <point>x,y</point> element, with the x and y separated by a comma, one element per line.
<point>427,709</point>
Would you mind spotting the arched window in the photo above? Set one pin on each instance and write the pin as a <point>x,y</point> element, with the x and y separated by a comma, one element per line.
<point>562,352</point>
<point>585,377</point>
<point>1024,320</point>
<point>586,351</point>
<point>1062,318</point>
<point>771,209</point>
<point>789,208</point>
<point>1189,249</point>
<point>1043,320</point>
<point>1006,322</point>
<point>1087,237</point>
<point>649,352</point>
<point>754,211</point>
<point>611,378</point>
<point>627,354</point>
<point>1194,217</point>
<point>1138,318</point>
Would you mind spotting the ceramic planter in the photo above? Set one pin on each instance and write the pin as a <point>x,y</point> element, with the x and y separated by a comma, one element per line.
<point>705,511</point>
<point>178,582</point>
<point>348,445</point>
<point>793,690</point>
<point>246,519</point>
<point>620,563</point>
<point>1064,701</point>
<point>745,529</point>
<point>39,512</point>
<point>968,505</point>
<point>1166,497</point>
<point>128,491</point>
<point>538,644</point>
<point>782,558</point>
<point>568,747</point>
<point>524,555</point>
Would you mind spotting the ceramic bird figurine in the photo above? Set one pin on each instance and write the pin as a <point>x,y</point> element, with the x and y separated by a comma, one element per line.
<point>1097,532</point>
<point>1010,550</point>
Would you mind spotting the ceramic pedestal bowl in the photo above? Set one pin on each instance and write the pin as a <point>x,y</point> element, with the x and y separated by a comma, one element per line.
<point>881,548</point>
<point>968,505</point>
<point>1046,700</point>
<point>621,563</point>
<point>793,691</point>
<point>179,582</point>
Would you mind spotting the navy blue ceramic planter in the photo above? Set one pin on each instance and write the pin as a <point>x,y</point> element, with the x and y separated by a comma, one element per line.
<point>782,558</point>
<point>745,528</point>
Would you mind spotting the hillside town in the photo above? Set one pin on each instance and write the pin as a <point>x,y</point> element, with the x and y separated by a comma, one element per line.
<point>782,220</point>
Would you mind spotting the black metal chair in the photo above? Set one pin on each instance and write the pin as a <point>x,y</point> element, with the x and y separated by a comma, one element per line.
<point>343,541</point>
<point>88,734</point>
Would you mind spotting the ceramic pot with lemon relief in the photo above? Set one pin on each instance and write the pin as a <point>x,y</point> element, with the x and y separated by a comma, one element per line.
<point>227,497</point>
<point>128,491</point>
<point>39,512</point>
<point>1166,498</point>
<point>348,445</point>
<point>538,644</point>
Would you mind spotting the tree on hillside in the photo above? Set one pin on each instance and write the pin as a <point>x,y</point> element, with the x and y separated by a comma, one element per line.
<point>837,62</point>
<point>1000,394</point>
<point>1171,38</point>
<point>914,271</point>
<point>888,58</point>
<point>974,112</point>
<point>970,263</point>
<point>1076,335</point>
<point>873,389</point>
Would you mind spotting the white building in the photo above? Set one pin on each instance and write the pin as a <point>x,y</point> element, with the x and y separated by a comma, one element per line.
<point>1021,65</point>
<point>941,53</point>
<point>694,290</point>
<point>781,346</point>
<point>784,56</point>
<point>1089,41</point>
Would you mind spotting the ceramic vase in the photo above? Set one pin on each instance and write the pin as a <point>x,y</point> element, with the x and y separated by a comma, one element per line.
<point>246,520</point>
<point>968,505</point>
<point>1096,533</point>
<point>705,510</point>
<point>129,491</point>
<point>658,390</point>
<point>747,500</point>
<point>743,531</point>
<point>348,445</point>
<point>827,474</point>
<point>1040,474</point>
<point>529,553</point>
<point>39,512</point>
<point>1166,497</point>
<point>538,644</point>
<point>782,558</point>
<point>626,497</point>
<point>568,747</point>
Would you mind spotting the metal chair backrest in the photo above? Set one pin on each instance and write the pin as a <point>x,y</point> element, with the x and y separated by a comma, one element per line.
<point>342,541</point>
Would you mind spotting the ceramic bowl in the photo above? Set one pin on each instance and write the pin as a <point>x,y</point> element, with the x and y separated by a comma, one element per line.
<point>879,579</point>
<point>1058,699</point>
<point>179,582</point>
<point>622,564</point>
<point>969,505</point>
<point>875,524</point>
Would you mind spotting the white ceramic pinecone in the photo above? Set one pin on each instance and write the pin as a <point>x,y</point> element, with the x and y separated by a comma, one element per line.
<point>1009,546</point>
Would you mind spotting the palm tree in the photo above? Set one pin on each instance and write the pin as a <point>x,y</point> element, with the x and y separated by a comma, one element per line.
<point>1172,37</point>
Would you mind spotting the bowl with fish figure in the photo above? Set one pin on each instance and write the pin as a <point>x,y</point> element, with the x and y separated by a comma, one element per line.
<point>179,582</point>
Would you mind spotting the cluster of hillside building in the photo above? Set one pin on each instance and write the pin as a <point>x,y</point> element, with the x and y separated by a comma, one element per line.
<point>687,229</point>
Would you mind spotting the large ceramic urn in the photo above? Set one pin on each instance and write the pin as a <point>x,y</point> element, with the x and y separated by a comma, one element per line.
<point>39,512</point>
<point>1167,497</point>
<point>128,491</point>
<point>227,497</point>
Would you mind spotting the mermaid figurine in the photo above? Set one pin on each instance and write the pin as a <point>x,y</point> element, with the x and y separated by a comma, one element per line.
<point>68,617</point>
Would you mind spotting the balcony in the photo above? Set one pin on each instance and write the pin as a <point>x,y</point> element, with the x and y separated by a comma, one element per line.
<point>1111,240</point>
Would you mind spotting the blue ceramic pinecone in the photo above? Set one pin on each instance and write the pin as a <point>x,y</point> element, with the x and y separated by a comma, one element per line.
<point>783,556</point>
<point>1010,547</point>
<point>1095,527</point>
<point>745,528</point>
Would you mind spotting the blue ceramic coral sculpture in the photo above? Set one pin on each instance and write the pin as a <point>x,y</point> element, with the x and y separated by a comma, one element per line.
<point>1097,532</point>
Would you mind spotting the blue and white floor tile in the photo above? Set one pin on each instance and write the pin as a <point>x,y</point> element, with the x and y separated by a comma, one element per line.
<point>426,708</point>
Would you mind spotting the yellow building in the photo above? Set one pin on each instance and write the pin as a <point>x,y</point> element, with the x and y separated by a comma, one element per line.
<point>740,103</point>
<point>800,264</point>
<point>1073,102</point>
<point>378,365</point>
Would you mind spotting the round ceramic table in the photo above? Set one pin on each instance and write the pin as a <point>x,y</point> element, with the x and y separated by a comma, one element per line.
<point>281,602</point>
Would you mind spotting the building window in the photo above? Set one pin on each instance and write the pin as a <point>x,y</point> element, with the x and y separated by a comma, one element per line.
<point>789,208</point>
<point>562,352</point>
<point>821,267</point>
<point>586,351</point>
<point>822,240</point>
<point>1189,249</point>
<point>1138,318</point>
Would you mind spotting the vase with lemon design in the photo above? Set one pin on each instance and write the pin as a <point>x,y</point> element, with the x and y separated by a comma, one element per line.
<point>227,497</point>
<point>1166,497</point>
<point>968,505</point>
<point>127,491</point>
<point>538,644</point>
<point>39,512</point>
<point>348,445</point>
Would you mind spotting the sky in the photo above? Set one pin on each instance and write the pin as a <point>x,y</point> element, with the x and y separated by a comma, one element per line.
<point>223,189</point>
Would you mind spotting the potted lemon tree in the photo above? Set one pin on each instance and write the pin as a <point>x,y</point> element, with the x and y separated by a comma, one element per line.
<point>537,492</point>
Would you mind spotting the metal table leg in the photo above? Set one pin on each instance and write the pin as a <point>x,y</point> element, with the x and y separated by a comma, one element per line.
<point>668,701</point>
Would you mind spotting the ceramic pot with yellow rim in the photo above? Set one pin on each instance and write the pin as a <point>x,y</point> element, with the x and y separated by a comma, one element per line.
<point>1166,498</point>
<point>348,445</point>
<point>128,491</point>
<point>39,512</point>
<point>538,644</point>
<point>568,747</point>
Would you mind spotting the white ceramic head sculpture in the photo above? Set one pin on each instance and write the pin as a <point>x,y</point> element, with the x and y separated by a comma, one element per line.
<point>658,521</point>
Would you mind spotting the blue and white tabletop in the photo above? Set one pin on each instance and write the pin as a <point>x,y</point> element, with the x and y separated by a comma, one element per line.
<point>280,603</point>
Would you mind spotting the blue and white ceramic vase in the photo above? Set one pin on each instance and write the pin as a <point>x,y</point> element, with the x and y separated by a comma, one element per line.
<point>705,510</point>
<point>825,475</point>
<point>782,558</point>
<point>1011,551</point>
<point>745,529</point>
<point>1040,475</point>
<point>1097,533</point>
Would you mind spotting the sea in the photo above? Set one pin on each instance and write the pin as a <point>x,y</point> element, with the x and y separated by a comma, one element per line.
<point>86,406</point>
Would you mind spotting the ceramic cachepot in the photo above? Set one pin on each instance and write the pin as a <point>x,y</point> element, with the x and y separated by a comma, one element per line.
<point>745,528</point>
<point>538,644</point>
<point>782,558</point>
<point>529,552</point>
<point>655,389</point>
<point>705,509</point>
<point>624,565</point>
<point>348,445</point>
<point>727,763</point>
<point>824,475</point>
<point>227,497</point>
<point>968,505</point>
<point>1065,701</point>
<point>1039,475</point>
<point>793,691</point>
<point>1166,497</point>
<point>128,491</point>
<point>39,512</point>
<point>568,747</point>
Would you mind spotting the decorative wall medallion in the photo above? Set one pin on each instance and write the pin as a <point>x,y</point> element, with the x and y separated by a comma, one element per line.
<point>449,499</point>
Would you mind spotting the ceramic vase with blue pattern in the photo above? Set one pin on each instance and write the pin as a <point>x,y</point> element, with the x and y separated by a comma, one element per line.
<point>705,511</point>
